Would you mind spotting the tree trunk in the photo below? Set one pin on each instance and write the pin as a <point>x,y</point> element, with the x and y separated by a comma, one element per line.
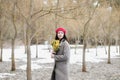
<point>96,51</point>
<point>29,77</point>
<point>87,46</point>
<point>13,39</point>
<point>119,34</point>
<point>24,31</point>
<point>1,58</point>
<point>49,47</point>
<point>105,46</point>
<point>119,47</point>
<point>28,42</point>
<point>83,60</point>
<point>116,45</point>
<point>36,47</point>
<point>13,58</point>
<point>109,44</point>
<point>96,45</point>
<point>75,45</point>
<point>1,46</point>
<point>119,43</point>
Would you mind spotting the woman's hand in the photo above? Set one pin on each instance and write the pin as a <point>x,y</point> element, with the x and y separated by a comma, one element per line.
<point>53,52</point>
<point>52,55</point>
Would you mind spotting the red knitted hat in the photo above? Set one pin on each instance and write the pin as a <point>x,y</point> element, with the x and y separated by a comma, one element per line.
<point>61,29</point>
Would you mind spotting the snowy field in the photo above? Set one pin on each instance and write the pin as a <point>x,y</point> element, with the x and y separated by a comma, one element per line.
<point>44,57</point>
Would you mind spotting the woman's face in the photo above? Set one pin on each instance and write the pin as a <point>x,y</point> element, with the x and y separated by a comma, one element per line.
<point>60,34</point>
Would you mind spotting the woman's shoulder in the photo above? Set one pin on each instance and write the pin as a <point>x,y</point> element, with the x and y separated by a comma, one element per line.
<point>65,42</point>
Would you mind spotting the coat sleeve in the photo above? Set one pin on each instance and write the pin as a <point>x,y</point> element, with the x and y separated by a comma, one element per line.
<point>65,53</point>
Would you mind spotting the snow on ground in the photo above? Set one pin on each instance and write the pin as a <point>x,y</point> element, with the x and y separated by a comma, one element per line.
<point>44,56</point>
<point>3,75</point>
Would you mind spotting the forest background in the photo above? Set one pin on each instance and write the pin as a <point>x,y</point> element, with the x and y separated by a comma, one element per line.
<point>88,22</point>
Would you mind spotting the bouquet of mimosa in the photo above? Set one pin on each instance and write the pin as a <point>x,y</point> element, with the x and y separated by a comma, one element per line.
<point>55,45</point>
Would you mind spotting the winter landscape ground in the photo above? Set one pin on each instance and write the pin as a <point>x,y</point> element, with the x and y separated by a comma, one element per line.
<point>97,67</point>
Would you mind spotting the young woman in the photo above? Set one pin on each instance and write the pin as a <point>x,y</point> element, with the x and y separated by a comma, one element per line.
<point>61,57</point>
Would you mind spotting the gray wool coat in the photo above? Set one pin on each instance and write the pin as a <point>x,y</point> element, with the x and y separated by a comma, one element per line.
<point>61,66</point>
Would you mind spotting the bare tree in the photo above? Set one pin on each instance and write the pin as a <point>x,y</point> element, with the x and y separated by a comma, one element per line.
<point>85,38</point>
<point>37,46</point>
<point>14,37</point>
<point>119,34</point>
<point>29,36</point>
<point>24,37</point>
<point>116,4</point>
<point>1,44</point>
<point>109,33</point>
<point>1,35</point>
